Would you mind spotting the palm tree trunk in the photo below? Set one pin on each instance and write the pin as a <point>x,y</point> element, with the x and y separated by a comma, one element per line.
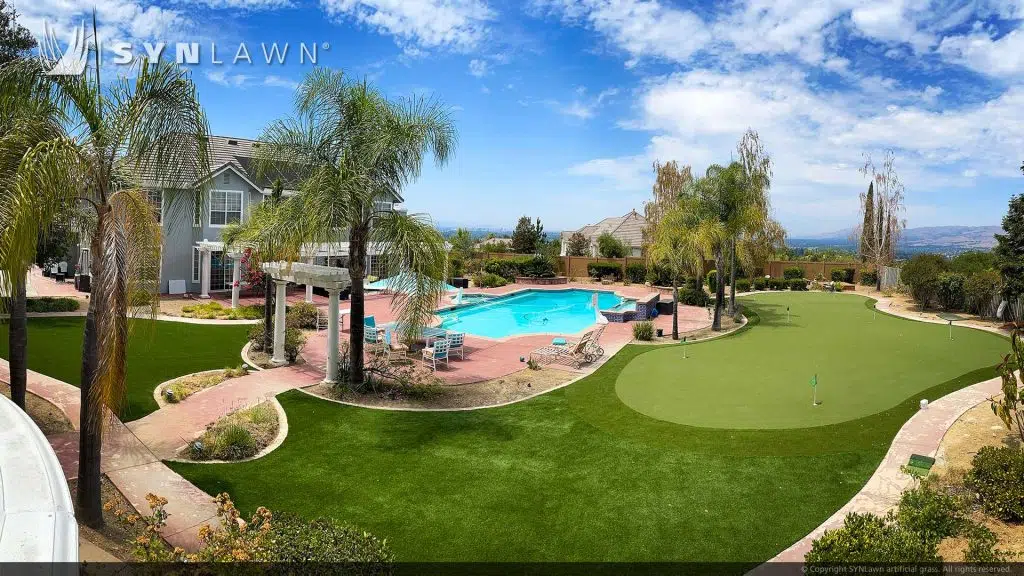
<point>18,331</point>
<point>716,324</point>
<point>357,271</point>
<point>732,278</point>
<point>90,509</point>
<point>675,308</point>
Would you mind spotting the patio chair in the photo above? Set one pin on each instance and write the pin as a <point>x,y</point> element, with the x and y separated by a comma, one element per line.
<point>456,343</point>
<point>575,354</point>
<point>321,319</point>
<point>439,351</point>
<point>370,330</point>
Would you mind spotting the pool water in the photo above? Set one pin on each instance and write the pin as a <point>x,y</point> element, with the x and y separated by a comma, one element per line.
<point>531,312</point>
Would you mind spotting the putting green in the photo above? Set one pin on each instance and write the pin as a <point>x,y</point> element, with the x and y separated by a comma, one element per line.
<point>865,363</point>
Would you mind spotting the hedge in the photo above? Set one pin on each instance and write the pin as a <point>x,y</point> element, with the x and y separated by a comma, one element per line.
<point>838,275</point>
<point>50,304</point>
<point>759,284</point>
<point>798,284</point>
<point>868,278</point>
<point>603,269</point>
<point>636,272</point>
<point>742,285</point>
<point>776,284</point>
<point>793,272</point>
<point>531,266</point>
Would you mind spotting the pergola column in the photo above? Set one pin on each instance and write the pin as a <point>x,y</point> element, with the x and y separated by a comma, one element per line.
<point>205,256</point>
<point>332,336</point>
<point>309,287</point>
<point>279,357</point>
<point>236,279</point>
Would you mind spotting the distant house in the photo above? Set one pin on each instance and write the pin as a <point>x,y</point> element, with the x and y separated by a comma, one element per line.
<point>629,229</point>
<point>493,242</point>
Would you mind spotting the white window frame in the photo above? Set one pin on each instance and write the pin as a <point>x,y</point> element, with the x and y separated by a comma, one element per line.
<point>241,207</point>
<point>197,271</point>
<point>163,198</point>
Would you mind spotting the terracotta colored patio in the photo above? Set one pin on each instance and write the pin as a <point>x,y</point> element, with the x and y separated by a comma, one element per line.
<point>487,358</point>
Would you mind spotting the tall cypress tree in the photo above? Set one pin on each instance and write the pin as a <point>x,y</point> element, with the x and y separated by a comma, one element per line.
<point>1009,249</point>
<point>867,232</point>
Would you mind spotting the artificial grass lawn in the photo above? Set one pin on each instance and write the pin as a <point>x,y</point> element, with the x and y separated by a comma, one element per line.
<point>866,362</point>
<point>157,352</point>
<point>573,474</point>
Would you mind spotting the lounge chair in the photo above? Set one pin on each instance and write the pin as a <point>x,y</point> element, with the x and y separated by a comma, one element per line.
<point>574,353</point>
<point>439,351</point>
<point>456,344</point>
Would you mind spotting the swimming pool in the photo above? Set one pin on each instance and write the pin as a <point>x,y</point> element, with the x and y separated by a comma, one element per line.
<point>531,312</point>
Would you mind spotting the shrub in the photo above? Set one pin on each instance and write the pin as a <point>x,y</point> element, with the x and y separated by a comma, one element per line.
<point>759,284</point>
<point>981,290</point>
<point>838,275</point>
<point>215,311</point>
<point>798,284</point>
<point>643,330</point>
<point>869,278</point>
<point>609,246</point>
<point>256,337</point>
<point>712,280</point>
<point>691,296</point>
<point>997,477</point>
<point>951,290</point>
<point>302,316</point>
<point>488,280</point>
<point>970,263</point>
<point>793,272</point>
<point>933,514</point>
<point>295,539</point>
<point>636,272</point>
<point>294,340</point>
<point>233,442</point>
<point>603,269</point>
<point>777,284</point>
<point>870,538</point>
<point>850,274</point>
<point>742,285</point>
<point>506,268</point>
<point>50,304</point>
<point>921,274</point>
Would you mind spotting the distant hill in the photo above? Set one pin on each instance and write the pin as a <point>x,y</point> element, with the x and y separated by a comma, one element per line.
<point>942,239</point>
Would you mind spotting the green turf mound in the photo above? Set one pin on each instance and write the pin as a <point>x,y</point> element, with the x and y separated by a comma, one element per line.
<point>865,363</point>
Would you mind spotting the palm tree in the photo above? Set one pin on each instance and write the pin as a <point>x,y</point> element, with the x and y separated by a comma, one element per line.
<point>678,242</point>
<point>352,151</point>
<point>718,205</point>
<point>24,122</point>
<point>270,232</point>
<point>120,139</point>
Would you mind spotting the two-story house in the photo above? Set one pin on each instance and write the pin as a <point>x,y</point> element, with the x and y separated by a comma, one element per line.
<point>193,256</point>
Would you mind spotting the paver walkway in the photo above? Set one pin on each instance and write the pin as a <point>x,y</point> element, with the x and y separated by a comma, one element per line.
<point>171,427</point>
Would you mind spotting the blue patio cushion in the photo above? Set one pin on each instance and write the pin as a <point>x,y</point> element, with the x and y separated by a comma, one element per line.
<point>558,341</point>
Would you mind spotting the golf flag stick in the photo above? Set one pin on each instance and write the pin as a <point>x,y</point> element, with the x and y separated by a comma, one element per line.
<point>814,390</point>
<point>684,347</point>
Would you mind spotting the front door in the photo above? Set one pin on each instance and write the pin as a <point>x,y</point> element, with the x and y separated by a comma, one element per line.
<point>221,271</point>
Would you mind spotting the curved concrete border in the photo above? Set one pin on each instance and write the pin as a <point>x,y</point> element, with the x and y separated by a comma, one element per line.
<point>248,361</point>
<point>159,387</point>
<point>282,433</point>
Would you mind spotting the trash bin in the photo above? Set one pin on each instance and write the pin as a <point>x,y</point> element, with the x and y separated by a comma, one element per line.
<point>82,282</point>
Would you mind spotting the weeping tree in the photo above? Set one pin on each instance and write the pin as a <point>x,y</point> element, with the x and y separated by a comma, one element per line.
<point>754,214</point>
<point>352,151</point>
<point>881,212</point>
<point>138,132</point>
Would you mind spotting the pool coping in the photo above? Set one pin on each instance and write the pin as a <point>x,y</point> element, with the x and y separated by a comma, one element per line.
<point>518,291</point>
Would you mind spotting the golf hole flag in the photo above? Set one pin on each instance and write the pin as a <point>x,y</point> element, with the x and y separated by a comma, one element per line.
<point>814,381</point>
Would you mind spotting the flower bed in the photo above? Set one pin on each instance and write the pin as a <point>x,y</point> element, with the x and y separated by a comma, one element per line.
<point>542,281</point>
<point>239,435</point>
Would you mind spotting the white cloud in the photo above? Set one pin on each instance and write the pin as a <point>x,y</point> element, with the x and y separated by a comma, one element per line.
<point>224,78</point>
<point>454,24</point>
<point>279,82</point>
<point>581,107</point>
<point>996,57</point>
<point>478,68</point>
<point>817,138</point>
<point>640,27</point>
<point>242,4</point>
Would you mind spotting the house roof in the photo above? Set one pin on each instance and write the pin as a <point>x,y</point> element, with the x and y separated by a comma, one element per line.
<point>627,228</point>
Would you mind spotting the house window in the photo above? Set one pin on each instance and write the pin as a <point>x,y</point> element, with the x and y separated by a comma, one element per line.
<point>156,200</point>
<point>221,271</point>
<point>225,207</point>
<point>196,263</point>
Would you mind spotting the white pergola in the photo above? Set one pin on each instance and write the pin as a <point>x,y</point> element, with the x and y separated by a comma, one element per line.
<point>334,280</point>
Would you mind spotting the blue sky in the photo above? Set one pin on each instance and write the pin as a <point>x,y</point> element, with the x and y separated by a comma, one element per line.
<point>563,105</point>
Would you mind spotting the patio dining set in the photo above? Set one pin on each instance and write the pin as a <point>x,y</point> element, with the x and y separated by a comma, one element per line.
<point>440,344</point>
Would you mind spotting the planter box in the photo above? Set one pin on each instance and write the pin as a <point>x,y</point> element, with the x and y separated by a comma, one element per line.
<point>82,282</point>
<point>542,281</point>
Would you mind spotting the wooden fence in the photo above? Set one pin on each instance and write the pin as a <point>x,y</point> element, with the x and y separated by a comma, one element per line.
<point>576,266</point>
